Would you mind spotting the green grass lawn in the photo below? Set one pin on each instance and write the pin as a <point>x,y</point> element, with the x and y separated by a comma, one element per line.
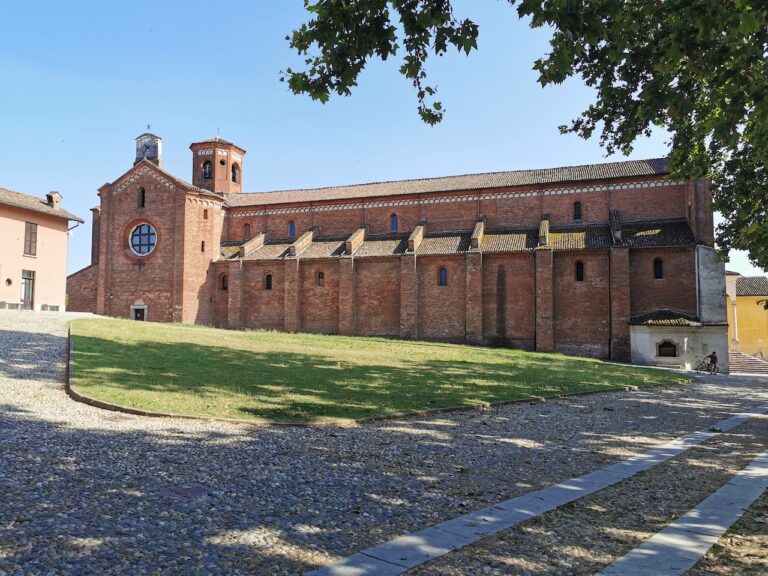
<point>272,376</point>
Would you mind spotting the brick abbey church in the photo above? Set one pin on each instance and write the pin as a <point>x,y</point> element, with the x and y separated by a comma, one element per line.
<point>608,260</point>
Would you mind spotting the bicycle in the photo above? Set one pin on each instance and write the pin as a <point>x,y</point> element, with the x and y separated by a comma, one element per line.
<point>705,366</point>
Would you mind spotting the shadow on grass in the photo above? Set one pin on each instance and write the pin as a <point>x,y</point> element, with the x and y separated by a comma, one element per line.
<point>277,386</point>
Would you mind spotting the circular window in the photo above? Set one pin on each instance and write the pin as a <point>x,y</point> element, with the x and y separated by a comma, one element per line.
<point>143,239</point>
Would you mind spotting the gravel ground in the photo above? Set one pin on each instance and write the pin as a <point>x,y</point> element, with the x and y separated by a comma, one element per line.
<point>743,551</point>
<point>85,491</point>
<point>589,534</point>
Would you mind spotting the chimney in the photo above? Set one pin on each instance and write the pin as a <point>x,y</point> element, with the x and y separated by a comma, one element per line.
<point>54,199</point>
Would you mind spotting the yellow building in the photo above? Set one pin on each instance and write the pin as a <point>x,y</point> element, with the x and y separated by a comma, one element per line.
<point>747,317</point>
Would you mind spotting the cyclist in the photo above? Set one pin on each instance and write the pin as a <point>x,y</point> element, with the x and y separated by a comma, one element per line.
<point>712,362</point>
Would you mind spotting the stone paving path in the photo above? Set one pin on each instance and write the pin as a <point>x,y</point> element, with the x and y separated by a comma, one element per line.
<point>674,550</point>
<point>399,555</point>
<point>84,491</point>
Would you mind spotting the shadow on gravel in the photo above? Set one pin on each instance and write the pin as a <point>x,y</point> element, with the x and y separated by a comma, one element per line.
<point>28,355</point>
<point>77,499</point>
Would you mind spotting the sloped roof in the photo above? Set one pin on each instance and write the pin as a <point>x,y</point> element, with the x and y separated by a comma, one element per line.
<point>511,241</point>
<point>626,169</point>
<point>444,243</point>
<point>29,202</point>
<point>669,318</point>
<point>323,248</point>
<point>752,286</point>
<point>731,273</point>
<point>271,250</point>
<point>657,233</point>
<point>382,246</point>
<point>590,237</point>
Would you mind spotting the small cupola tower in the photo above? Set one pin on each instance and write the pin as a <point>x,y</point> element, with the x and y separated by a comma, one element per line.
<point>217,165</point>
<point>149,147</point>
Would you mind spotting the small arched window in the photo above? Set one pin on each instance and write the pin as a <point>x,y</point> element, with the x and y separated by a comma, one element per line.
<point>202,246</point>
<point>235,173</point>
<point>291,230</point>
<point>142,198</point>
<point>577,210</point>
<point>658,269</point>
<point>268,282</point>
<point>393,223</point>
<point>247,231</point>
<point>321,279</point>
<point>667,348</point>
<point>442,277</point>
<point>579,271</point>
<point>207,170</point>
<point>224,282</point>
<point>205,214</point>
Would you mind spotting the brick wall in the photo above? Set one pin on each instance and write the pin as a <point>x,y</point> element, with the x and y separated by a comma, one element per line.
<point>82,289</point>
<point>509,303</point>
<point>581,309</point>
<point>319,304</point>
<point>441,308</point>
<point>677,291</point>
<point>377,297</point>
<point>262,308</point>
<point>154,279</point>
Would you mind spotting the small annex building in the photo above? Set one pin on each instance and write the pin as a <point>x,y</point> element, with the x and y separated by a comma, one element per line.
<point>33,259</point>
<point>747,314</point>
<point>565,259</point>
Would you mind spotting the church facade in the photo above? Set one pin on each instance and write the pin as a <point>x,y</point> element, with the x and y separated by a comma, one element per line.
<point>597,260</point>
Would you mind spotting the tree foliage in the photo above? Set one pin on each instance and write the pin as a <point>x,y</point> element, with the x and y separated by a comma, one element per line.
<point>698,68</point>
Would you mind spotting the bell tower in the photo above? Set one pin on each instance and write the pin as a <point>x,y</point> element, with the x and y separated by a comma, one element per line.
<point>149,147</point>
<point>217,165</point>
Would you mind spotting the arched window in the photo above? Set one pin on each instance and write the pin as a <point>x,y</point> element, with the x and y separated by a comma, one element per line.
<point>579,271</point>
<point>207,170</point>
<point>666,348</point>
<point>393,223</point>
<point>224,282</point>
<point>142,198</point>
<point>442,277</point>
<point>235,172</point>
<point>291,230</point>
<point>247,231</point>
<point>321,279</point>
<point>658,269</point>
<point>268,282</point>
<point>205,214</point>
<point>577,210</point>
<point>202,246</point>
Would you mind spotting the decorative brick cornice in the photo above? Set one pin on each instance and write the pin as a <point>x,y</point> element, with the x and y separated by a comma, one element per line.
<point>456,199</point>
<point>144,170</point>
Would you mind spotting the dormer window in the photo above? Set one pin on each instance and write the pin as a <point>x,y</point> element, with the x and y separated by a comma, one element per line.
<point>235,173</point>
<point>207,170</point>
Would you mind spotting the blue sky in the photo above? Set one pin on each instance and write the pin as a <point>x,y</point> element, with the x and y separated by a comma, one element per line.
<point>82,79</point>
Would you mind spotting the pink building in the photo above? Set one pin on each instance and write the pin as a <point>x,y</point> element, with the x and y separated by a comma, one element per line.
<point>33,258</point>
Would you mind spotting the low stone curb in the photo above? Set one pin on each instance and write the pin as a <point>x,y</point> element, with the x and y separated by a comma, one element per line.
<point>79,397</point>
